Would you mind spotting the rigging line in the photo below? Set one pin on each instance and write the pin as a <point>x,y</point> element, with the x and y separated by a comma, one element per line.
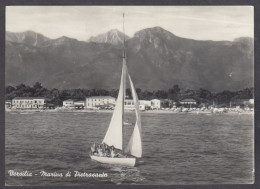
<point>124,83</point>
<point>124,55</point>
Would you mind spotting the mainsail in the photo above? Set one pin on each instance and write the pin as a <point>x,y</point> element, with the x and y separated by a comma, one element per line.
<point>114,135</point>
<point>134,146</point>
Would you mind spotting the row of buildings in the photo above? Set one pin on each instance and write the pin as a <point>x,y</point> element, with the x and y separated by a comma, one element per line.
<point>103,102</point>
<point>108,102</point>
<point>94,102</point>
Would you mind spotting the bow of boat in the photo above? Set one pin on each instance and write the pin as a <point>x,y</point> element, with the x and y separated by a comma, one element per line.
<point>116,161</point>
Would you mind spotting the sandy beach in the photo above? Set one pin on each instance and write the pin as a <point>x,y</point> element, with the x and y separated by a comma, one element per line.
<point>110,111</point>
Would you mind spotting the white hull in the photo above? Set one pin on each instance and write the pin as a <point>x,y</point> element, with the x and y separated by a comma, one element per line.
<point>116,161</point>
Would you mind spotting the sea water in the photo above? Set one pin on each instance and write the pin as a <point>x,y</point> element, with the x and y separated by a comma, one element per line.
<point>178,148</point>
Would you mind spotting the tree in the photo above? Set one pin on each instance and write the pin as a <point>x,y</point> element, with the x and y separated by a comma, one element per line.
<point>9,93</point>
<point>20,87</point>
<point>114,93</point>
<point>64,95</point>
<point>128,93</point>
<point>247,93</point>
<point>188,94</point>
<point>23,91</point>
<point>87,92</point>
<point>176,89</point>
<point>204,96</point>
<point>37,86</point>
<point>9,89</point>
<point>160,94</point>
<point>224,97</point>
<point>138,92</point>
<point>174,93</point>
<point>146,95</point>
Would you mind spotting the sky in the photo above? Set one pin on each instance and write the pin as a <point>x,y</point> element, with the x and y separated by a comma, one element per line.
<point>81,22</point>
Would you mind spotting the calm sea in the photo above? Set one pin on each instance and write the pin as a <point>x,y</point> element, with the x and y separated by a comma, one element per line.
<point>177,148</point>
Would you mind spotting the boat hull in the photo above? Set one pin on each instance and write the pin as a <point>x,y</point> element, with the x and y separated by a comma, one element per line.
<point>116,161</point>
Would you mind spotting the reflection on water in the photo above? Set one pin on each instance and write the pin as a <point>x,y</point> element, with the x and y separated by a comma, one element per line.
<point>177,148</point>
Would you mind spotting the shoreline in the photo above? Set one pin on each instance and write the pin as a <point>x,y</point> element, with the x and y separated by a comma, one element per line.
<point>111,111</point>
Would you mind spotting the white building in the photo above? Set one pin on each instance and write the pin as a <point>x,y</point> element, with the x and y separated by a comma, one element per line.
<point>28,102</point>
<point>79,103</point>
<point>143,104</point>
<point>146,103</point>
<point>68,103</point>
<point>8,104</point>
<point>95,101</point>
<point>155,104</point>
<point>188,101</point>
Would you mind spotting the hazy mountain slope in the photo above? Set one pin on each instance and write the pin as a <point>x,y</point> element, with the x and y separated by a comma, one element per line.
<point>190,63</point>
<point>156,59</point>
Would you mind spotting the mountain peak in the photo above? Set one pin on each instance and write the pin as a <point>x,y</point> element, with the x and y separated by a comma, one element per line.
<point>114,31</point>
<point>113,36</point>
<point>30,32</point>
<point>158,29</point>
<point>66,38</point>
<point>153,31</point>
<point>27,37</point>
<point>156,37</point>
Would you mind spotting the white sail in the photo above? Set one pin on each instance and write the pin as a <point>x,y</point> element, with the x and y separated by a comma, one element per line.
<point>114,135</point>
<point>134,146</point>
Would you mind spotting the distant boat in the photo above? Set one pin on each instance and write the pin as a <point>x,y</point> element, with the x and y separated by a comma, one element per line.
<point>114,134</point>
<point>127,123</point>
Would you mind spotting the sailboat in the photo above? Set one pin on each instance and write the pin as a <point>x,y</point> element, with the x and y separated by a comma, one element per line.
<point>114,134</point>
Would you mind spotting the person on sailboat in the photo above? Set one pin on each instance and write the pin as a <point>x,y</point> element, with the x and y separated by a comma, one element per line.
<point>102,147</point>
<point>113,153</point>
<point>93,149</point>
<point>107,152</point>
<point>100,152</point>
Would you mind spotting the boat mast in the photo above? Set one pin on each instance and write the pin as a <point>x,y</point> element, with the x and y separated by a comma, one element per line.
<point>124,83</point>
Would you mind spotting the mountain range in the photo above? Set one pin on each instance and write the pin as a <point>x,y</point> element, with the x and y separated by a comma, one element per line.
<point>156,59</point>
